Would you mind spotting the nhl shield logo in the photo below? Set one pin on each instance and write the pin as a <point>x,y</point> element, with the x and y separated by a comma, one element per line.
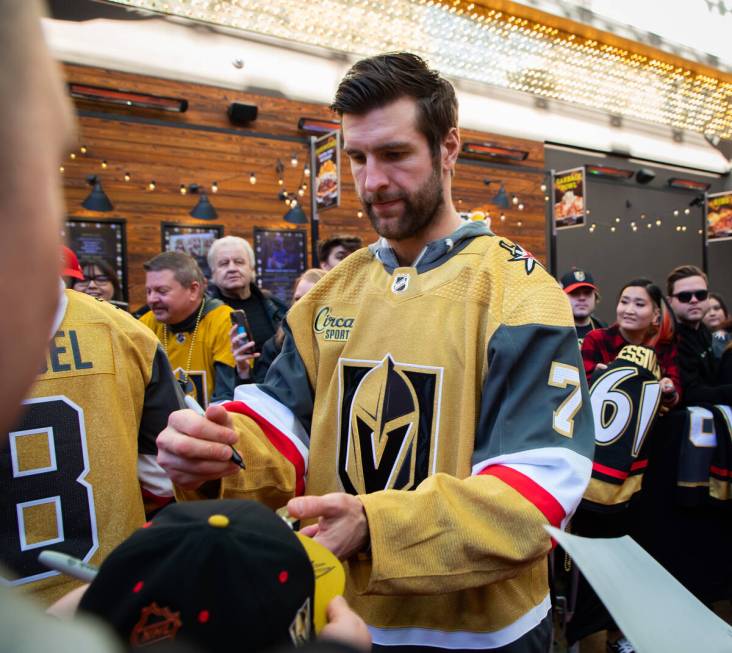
<point>400,283</point>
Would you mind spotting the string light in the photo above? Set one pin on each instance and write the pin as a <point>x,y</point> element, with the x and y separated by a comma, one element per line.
<point>514,200</point>
<point>82,149</point>
<point>152,185</point>
<point>104,165</point>
<point>183,189</point>
<point>502,217</point>
<point>495,48</point>
<point>306,171</point>
<point>72,155</point>
<point>543,188</point>
<point>61,169</point>
<point>128,176</point>
<point>293,160</point>
<point>658,222</point>
<point>612,229</point>
<point>520,207</point>
<point>519,224</point>
<point>214,186</point>
<point>359,214</point>
<point>252,179</point>
<point>687,210</point>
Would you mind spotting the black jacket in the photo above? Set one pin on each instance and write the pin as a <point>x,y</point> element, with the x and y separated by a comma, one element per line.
<point>699,374</point>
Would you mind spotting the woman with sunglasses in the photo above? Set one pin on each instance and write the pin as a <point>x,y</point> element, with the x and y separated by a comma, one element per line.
<point>643,318</point>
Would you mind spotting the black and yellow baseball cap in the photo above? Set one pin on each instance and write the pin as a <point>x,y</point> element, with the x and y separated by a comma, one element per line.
<point>216,572</point>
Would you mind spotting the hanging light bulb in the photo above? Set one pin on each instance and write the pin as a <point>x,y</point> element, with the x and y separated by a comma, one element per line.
<point>514,200</point>
<point>128,176</point>
<point>61,169</point>
<point>502,217</point>
<point>543,188</point>
<point>300,192</point>
<point>520,206</point>
<point>183,189</point>
<point>151,185</point>
<point>293,160</point>
<point>72,156</point>
<point>612,229</point>
<point>519,224</point>
<point>104,165</point>
<point>214,186</point>
<point>687,211</point>
<point>359,214</point>
<point>306,170</point>
<point>252,179</point>
<point>82,149</point>
<point>280,181</point>
<point>658,222</point>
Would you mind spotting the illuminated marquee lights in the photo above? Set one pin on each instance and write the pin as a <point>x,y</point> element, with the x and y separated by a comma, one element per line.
<point>471,41</point>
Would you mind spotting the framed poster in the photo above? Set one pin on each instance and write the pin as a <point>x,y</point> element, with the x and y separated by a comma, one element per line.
<point>327,171</point>
<point>105,239</point>
<point>191,239</point>
<point>719,216</point>
<point>568,209</point>
<point>281,258</point>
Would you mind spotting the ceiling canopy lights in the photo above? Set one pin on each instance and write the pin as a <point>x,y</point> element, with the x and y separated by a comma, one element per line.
<point>471,40</point>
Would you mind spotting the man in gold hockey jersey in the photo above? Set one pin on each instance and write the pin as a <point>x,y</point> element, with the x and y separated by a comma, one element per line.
<point>79,468</point>
<point>193,329</point>
<point>428,399</point>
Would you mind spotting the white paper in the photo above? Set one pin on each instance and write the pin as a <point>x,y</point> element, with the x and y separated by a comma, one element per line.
<point>654,611</point>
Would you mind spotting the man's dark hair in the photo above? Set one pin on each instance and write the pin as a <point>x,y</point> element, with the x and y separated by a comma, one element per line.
<point>683,272</point>
<point>184,267</point>
<point>350,243</point>
<point>377,81</point>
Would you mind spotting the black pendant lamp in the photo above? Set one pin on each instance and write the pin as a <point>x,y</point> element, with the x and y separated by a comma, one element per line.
<point>97,200</point>
<point>203,210</point>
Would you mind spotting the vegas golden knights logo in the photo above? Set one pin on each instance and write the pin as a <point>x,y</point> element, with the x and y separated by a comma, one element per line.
<point>388,424</point>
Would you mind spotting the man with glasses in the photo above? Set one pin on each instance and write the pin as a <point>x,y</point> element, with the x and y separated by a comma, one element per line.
<point>688,294</point>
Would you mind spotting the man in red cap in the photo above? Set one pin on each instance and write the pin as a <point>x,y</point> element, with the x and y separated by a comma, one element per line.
<point>584,297</point>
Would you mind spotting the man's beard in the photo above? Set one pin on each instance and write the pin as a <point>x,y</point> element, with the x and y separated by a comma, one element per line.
<point>420,209</point>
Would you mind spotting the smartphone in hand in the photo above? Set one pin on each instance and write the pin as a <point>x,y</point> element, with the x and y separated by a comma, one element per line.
<point>239,319</point>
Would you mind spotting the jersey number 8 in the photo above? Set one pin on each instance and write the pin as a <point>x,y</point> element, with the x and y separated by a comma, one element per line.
<point>45,501</point>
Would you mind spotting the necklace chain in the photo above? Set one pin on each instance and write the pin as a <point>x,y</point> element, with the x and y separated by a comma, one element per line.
<point>187,368</point>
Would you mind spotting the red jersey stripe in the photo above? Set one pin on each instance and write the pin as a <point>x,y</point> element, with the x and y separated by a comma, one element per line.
<point>280,440</point>
<point>530,490</point>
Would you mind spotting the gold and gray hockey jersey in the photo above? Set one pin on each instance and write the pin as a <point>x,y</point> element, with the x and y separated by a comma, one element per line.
<point>450,398</point>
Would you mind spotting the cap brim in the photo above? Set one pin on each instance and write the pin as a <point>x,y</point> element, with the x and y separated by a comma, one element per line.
<point>77,274</point>
<point>580,284</point>
<point>330,578</point>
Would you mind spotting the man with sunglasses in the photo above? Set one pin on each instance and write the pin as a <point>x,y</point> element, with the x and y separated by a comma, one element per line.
<point>688,294</point>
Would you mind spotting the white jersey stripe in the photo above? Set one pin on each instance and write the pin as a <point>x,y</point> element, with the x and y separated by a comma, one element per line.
<point>462,639</point>
<point>276,414</point>
<point>562,472</point>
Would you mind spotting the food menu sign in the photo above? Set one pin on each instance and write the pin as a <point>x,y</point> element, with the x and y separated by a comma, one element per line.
<point>719,216</point>
<point>327,171</point>
<point>568,209</point>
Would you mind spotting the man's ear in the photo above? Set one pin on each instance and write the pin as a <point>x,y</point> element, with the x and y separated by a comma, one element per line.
<point>450,149</point>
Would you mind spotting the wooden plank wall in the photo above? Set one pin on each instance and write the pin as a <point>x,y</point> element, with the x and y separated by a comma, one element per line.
<point>201,146</point>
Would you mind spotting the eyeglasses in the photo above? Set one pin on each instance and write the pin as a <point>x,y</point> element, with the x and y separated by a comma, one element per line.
<point>685,296</point>
<point>100,279</point>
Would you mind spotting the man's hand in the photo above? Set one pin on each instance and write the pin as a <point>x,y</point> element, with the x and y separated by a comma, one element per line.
<point>344,625</point>
<point>342,525</point>
<point>194,449</point>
